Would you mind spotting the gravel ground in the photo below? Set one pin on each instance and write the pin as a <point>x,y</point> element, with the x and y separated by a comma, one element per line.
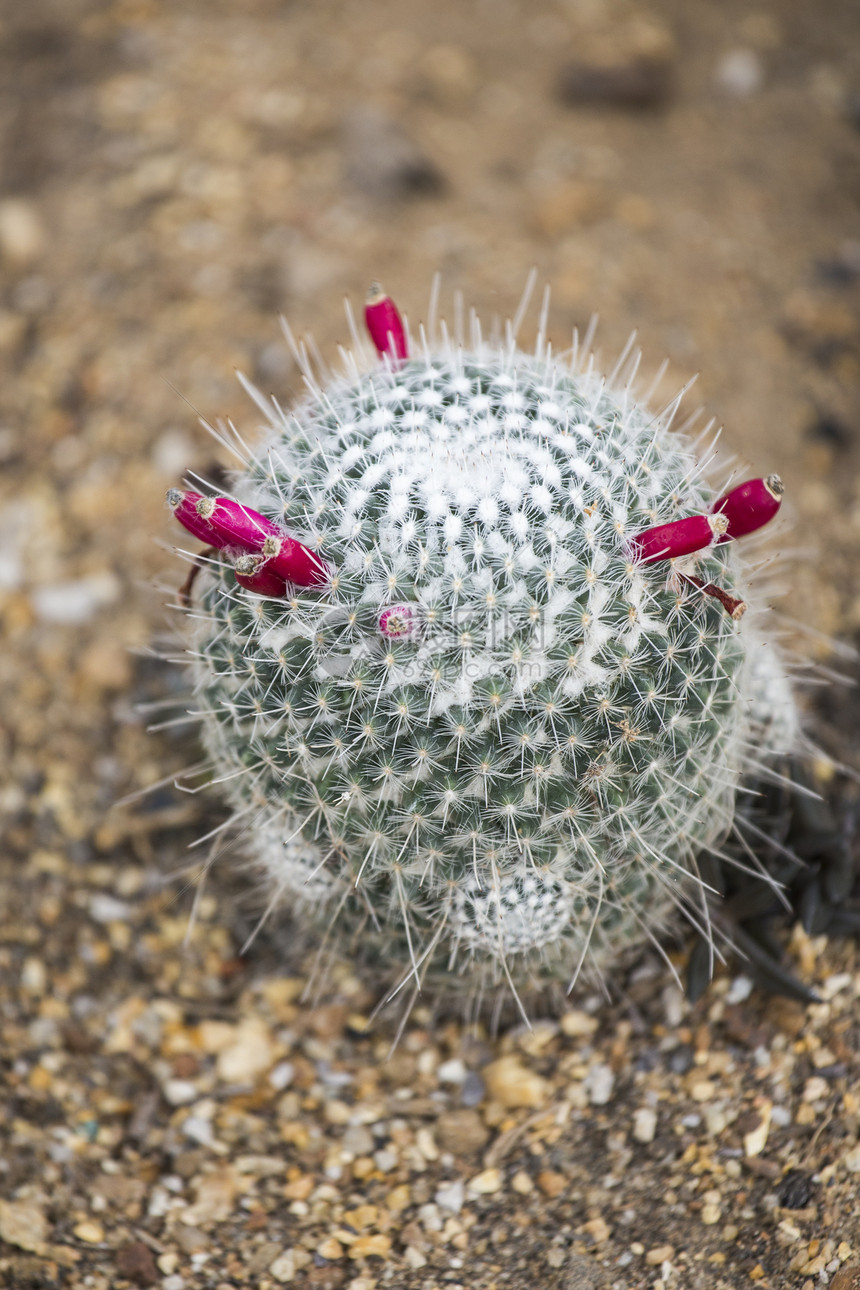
<point>173,176</point>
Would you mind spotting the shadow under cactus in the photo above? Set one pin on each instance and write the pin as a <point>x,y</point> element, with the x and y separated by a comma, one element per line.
<point>808,850</point>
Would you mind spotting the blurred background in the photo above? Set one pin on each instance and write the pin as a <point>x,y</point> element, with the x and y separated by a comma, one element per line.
<point>175,175</point>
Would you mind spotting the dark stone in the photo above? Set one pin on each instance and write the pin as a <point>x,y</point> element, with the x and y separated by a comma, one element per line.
<point>795,1190</point>
<point>830,430</point>
<point>681,1059</point>
<point>473,1090</point>
<point>383,162</point>
<point>641,85</point>
<point>581,1273</point>
<point>136,1263</point>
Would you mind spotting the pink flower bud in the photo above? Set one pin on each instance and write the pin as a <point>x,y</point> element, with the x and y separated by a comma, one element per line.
<point>385,324</point>
<point>398,622</point>
<point>237,525</point>
<point>296,563</point>
<point>681,537</point>
<point>254,572</point>
<point>750,506</point>
<point>184,505</point>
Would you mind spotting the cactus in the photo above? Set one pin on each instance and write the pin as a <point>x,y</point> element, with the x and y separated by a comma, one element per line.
<point>470,664</point>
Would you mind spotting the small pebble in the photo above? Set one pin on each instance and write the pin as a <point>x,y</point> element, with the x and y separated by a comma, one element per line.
<point>740,990</point>
<point>577,1024</point>
<point>703,1090</point>
<point>135,1262</point>
<point>473,1090</point>
<point>461,1132</point>
<point>451,1196</point>
<point>740,73</point>
<point>512,1084</point>
<point>22,234</point>
<point>486,1183</point>
<point>382,161</point>
<point>330,1249</point>
<point>250,1054</point>
<point>89,1231</point>
<point>178,1092</point>
<point>281,1076</point>
<point>640,85</point>
<point>375,1245</point>
<point>551,1182</point>
<point>815,1088</point>
<point>598,1229</point>
<point>795,1190</point>
<point>645,1124</point>
<point>756,1138</point>
<point>600,1083</point>
<point>75,601</point>
<point>23,1224</point>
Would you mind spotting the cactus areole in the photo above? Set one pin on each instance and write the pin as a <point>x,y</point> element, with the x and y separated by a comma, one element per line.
<point>462,652</point>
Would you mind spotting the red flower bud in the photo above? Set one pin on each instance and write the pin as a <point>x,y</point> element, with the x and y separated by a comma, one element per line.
<point>254,572</point>
<point>750,506</point>
<point>237,525</point>
<point>681,537</point>
<point>184,507</point>
<point>221,522</point>
<point>385,324</point>
<point>296,563</point>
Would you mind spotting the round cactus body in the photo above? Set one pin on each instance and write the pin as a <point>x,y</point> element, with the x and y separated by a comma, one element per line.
<point>488,745</point>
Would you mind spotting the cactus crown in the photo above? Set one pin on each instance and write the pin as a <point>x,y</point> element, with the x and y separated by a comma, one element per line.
<point>496,740</point>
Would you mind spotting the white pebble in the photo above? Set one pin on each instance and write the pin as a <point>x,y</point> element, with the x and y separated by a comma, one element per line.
<point>430,1217</point>
<point>198,1130</point>
<point>77,600</point>
<point>172,452</point>
<point>34,978</point>
<point>674,1005</point>
<point>600,1083</point>
<point>851,1160</point>
<point>836,983</point>
<point>645,1124</point>
<point>107,909</point>
<point>740,72</point>
<point>282,1075</point>
<point>741,989</point>
<point>178,1092</point>
<point>452,1072</point>
<point>451,1196</point>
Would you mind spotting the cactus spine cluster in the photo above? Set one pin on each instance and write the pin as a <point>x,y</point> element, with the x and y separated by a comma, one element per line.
<point>492,745</point>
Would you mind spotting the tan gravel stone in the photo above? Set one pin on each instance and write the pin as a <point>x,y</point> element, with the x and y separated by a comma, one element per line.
<point>376,1245</point>
<point>90,1231</point>
<point>23,1224</point>
<point>249,1055</point>
<point>487,1182</point>
<point>512,1084</point>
